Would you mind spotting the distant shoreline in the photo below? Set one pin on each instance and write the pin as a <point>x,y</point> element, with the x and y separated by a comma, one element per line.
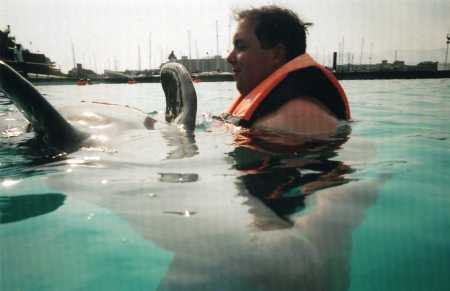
<point>389,75</point>
<point>223,77</point>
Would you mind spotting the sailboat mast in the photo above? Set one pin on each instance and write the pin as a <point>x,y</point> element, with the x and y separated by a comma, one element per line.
<point>150,51</point>
<point>139,58</point>
<point>73,56</point>
<point>196,50</point>
<point>189,44</point>
<point>217,36</point>
<point>362,51</point>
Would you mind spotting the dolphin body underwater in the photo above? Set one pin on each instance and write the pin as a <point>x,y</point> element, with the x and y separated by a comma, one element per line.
<point>235,242</point>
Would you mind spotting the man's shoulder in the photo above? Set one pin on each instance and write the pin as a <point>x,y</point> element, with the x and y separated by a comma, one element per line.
<point>303,115</point>
<point>311,82</point>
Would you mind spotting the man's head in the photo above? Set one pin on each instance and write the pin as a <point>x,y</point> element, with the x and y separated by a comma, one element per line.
<point>266,38</point>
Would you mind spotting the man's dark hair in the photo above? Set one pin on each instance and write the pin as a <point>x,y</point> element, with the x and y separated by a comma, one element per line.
<point>275,25</point>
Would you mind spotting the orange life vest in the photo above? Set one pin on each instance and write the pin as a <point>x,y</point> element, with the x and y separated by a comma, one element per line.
<point>244,107</point>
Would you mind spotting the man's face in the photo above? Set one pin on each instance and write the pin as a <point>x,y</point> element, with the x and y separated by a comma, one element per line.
<point>251,63</point>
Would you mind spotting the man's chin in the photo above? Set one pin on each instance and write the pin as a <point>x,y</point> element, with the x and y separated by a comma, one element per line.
<point>240,86</point>
<point>240,89</point>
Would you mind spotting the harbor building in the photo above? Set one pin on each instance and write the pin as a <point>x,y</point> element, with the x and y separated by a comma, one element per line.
<point>215,64</point>
<point>385,66</point>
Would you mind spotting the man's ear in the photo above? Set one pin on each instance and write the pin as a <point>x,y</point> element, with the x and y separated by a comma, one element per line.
<point>279,55</point>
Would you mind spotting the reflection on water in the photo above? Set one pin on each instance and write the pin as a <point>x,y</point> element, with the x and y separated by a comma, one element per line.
<point>293,249</point>
<point>300,250</point>
<point>282,174</point>
<point>17,208</point>
<point>186,213</point>
<point>177,178</point>
<point>25,158</point>
<point>4,100</point>
<point>182,143</point>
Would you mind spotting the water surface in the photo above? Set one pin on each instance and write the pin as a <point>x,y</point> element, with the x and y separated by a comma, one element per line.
<point>160,209</point>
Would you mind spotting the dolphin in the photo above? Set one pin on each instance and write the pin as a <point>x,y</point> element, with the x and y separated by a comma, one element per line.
<point>307,251</point>
<point>58,133</point>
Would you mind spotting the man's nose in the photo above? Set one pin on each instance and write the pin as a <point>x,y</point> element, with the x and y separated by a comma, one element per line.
<point>232,57</point>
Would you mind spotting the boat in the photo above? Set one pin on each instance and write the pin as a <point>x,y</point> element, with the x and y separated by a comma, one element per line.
<point>195,79</point>
<point>82,82</point>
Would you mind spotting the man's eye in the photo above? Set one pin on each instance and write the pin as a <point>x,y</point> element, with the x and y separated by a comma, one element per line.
<point>240,46</point>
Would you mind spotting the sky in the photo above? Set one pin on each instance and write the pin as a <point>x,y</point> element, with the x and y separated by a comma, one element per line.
<point>111,34</point>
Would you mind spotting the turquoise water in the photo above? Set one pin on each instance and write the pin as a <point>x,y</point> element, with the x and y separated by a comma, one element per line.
<point>404,242</point>
<point>163,210</point>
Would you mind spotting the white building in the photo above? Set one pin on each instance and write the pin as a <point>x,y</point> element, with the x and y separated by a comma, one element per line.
<point>214,64</point>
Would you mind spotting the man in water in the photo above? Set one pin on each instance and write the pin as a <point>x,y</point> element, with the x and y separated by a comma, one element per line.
<point>282,88</point>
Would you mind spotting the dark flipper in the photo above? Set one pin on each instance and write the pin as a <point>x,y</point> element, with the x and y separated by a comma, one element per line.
<point>45,120</point>
<point>181,100</point>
